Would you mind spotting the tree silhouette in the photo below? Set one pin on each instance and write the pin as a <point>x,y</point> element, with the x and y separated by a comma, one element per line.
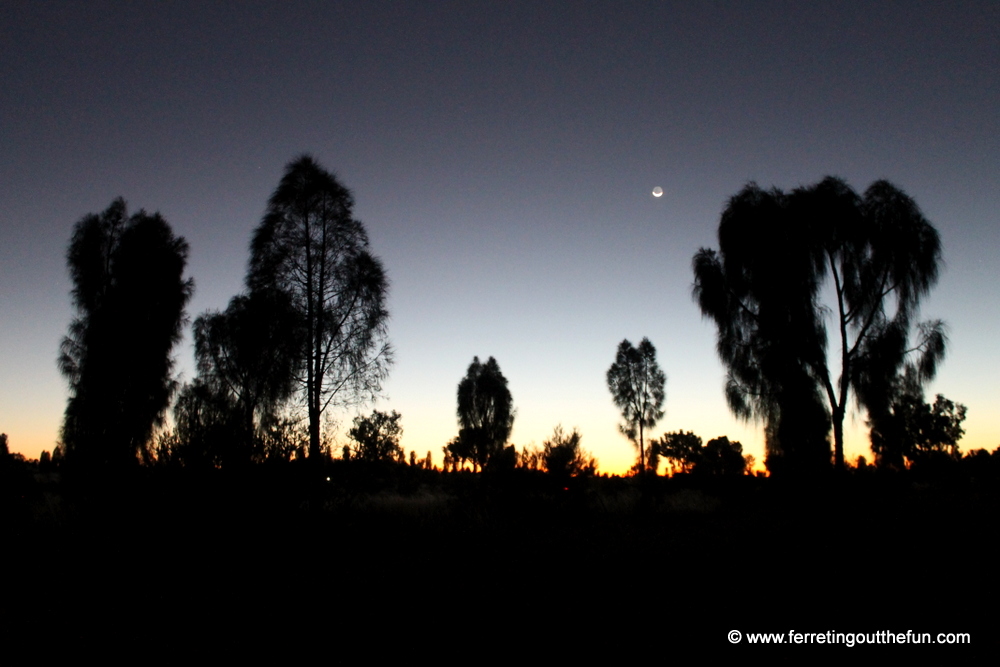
<point>205,421</point>
<point>682,450</point>
<point>377,437</point>
<point>310,247</point>
<point>485,414</point>
<point>562,455</point>
<point>720,458</point>
<point>914,430</point>
<point>129,293</point>
<point>250,354</point>
<point>883,257</point>
<point>637,386</point>
<point>762,289</point>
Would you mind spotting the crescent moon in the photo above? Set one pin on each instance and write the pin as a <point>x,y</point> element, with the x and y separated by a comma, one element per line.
<point>657,191</point>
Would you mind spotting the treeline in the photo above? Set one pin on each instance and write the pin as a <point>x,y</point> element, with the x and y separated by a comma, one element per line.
<point>311,323</point>
<point>309,333</point>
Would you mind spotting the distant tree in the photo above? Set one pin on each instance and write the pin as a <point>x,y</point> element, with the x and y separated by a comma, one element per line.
<point>720,458</point>
<point>456,453</point>
<point>562,455</point>
<point>681,450</point>
<point>485,415</point>
<point>376,437</point>
<point>637,386</point>
<point>129,293</point>
<point>531,457</point>
<point>763,291</point>
<point>310,247</point>
<point>914,430</point>
<point>250,353</point>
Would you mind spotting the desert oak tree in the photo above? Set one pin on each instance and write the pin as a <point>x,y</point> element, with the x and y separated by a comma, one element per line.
<point>310,246</point>
<point>485,413</point>
<point>776,251</point>
<point>129,292</point>
<point>637,387</point>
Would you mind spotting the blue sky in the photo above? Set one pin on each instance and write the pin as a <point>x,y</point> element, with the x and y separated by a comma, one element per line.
<point>502,157</point>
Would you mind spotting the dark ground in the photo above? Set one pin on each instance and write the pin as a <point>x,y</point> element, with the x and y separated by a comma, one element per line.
<point>388,558</point>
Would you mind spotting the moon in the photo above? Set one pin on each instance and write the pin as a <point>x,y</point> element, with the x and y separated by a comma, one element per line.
<point>657,191</point>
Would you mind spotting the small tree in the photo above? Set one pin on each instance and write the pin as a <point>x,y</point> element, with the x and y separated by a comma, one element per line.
<point>721,458</point>
<point>250,354</point>
<point>681,450</point>
<point>914,430</point>
<point>206,428</point>
<point>637,386</point>
<point>485,415</point>
<point>377,437</point>
<point>562,455</point>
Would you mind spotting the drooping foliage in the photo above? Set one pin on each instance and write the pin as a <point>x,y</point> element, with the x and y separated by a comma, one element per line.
<point>760,288</point>
<point>763,289</point>
<point>310,247</point>
<point>129,293</point>
<point>248,356</point>
<point>206,423</point>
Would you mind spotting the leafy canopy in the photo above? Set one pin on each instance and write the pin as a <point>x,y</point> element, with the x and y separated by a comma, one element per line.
<point>637,387</point>
<point>376,437</point>
<point>129,293</point>
<point>310,247</point>
<point>485,414</point>
<point>777,251</point>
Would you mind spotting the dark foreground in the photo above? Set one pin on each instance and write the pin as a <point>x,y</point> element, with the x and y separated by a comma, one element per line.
<point>388,560</point>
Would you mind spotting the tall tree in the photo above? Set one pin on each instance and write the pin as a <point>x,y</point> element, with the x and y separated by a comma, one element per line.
<point>883,257</point>
<point>763,291</point>
<point>250,354</point>
<point>130,293</point>
<point>637,386</point>
<point>485,413</point>
<point>310,247</point>
<point>760,289</point>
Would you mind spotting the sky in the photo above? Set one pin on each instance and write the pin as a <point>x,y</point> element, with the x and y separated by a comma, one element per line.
<point>502,157</point>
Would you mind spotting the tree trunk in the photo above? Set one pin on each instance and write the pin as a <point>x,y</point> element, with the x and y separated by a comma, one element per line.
<point>642,455</point>
<point>314,440</point>
<point>838,438</point>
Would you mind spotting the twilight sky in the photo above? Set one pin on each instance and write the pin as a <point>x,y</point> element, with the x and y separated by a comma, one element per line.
<point>502,156</point>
